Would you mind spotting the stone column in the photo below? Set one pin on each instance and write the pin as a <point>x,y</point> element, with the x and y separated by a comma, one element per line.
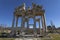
<point>12,31</point>
<point>16,25</point>
<point>39,27</point>
<point>22,22</point>
<point>22,28</point>
<point>43,24</point>
<point>27,22</point>
<point>16,22</point>
<point>35,34</point>
<point>13,21</point>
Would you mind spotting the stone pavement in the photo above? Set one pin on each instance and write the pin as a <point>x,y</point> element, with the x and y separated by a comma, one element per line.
<point>28,39</point>
<point>45,38</point>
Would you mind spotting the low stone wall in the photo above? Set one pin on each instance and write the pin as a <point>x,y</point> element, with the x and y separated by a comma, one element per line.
<point>33,39</point>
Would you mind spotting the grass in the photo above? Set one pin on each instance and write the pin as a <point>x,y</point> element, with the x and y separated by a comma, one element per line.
<point>6,38</point>
<point>55,36</point>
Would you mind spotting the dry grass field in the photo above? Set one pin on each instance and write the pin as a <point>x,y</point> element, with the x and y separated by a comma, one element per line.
<point>7,39</point>
<point>54,36</point>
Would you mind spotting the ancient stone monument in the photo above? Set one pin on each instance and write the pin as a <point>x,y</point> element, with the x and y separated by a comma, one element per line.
<point>25,14</point>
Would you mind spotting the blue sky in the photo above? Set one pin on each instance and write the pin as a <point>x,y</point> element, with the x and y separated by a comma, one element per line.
<point>52,10</point>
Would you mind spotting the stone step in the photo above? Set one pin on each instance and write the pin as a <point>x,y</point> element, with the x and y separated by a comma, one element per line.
<point>33,38</point>
<point>28,39</point>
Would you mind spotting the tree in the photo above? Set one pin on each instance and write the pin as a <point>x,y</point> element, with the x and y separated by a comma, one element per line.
<point>49,28</point>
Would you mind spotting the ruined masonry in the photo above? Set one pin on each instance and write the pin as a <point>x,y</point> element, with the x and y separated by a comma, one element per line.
<point>25,14</point>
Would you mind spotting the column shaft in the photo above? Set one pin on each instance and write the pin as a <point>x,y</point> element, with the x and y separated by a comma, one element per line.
<point>39,27</point>
<point>27,23</point>
<point>13,21</point>
<point>43,24</point>
<point>34,27</point>
<point>21,21</point>
<point>16,21</point>
<point>22,24</point>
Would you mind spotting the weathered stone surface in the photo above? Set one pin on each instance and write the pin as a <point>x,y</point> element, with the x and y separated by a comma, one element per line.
<point>30,13</point>
<point>33,39</point>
